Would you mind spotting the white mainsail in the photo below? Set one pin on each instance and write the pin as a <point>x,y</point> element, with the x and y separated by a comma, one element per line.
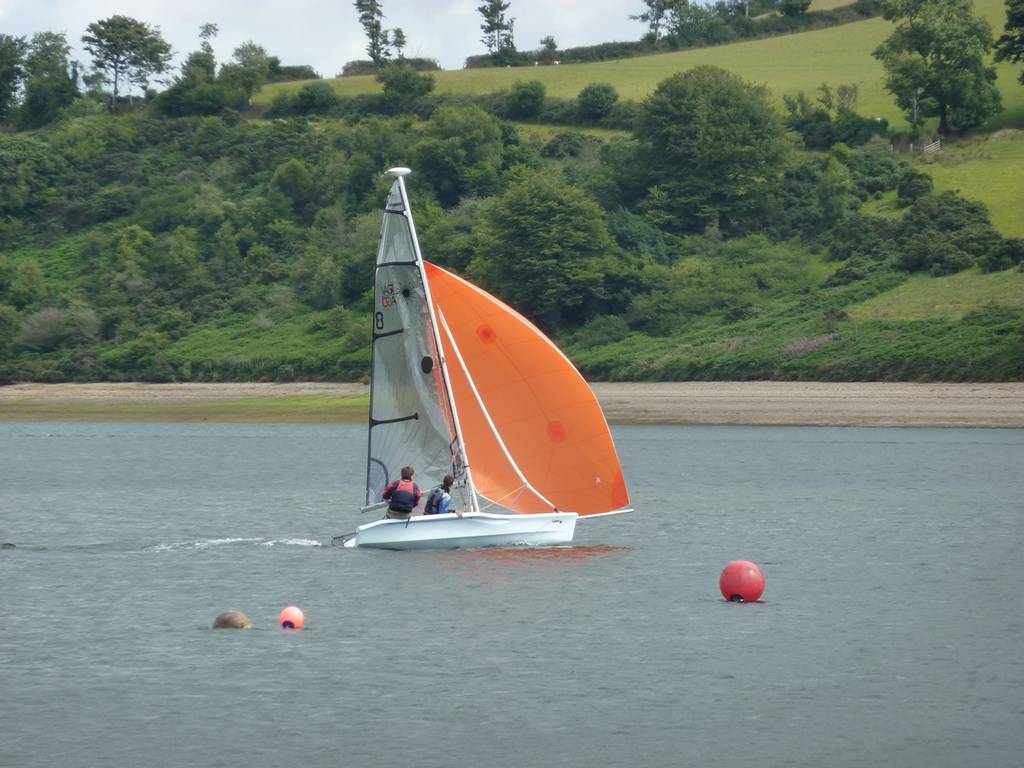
<point>411,421</point>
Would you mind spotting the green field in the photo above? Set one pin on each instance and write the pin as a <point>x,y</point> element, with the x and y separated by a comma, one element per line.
<point>946,298</point>
<point>787,64</point>
<point>989,169</point>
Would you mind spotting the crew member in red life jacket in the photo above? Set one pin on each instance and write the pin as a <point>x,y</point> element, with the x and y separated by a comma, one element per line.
<point>403,494</point>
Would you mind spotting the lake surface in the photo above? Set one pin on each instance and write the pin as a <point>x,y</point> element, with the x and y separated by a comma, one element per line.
<point>891,632</point>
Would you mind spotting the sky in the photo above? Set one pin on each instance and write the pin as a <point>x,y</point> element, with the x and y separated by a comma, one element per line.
<point>326,33</point>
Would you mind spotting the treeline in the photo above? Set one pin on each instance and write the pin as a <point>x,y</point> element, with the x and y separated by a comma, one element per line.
<point>406,92</point>
<point>206,248</point>
<point>689,25</point>
<point>40,83</point>
<point>828,118</point>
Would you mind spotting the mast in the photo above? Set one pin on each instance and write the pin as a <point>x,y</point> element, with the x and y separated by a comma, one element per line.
<point>399,174</point>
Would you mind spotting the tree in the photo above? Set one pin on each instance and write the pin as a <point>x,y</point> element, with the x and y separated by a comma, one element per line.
<point>464,145</point>
<point>548,52</point>
<point>398,42</point>
<point>12,58</point>
<point>207,32</point>
<point>793,7</point>
<point>371,16</point>
<point>50,80</point>
<point>596,101</point>
<point>714,146</point>
<point>690,24</point>
<point>1010,46</point>
<point>526,100</point>
<point>653,17</point>
<point>198,90</point>
<point>250,68</point>
<point>47,55</point>
<point>547,251</point>
<point>126,49</point>
<point>403,85</point>
<point>935,62</point>
<point>497,28</point>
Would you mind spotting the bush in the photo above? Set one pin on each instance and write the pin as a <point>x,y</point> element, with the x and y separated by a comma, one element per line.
<point>945,233</point>
<point>526,100</point>
<point>813,123</point>
<point>403,86</point>
<point>43,330</point>
<point>603,330</point>
<point>875,169</point>
<point>596,101</point>
<point>913,184</point>
<point>315,98</point>
<point>1007,254</point>
<point>793,7</point>
<point>854,130</point>
<point>564,144</point>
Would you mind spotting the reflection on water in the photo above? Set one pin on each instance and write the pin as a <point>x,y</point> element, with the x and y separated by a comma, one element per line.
<point>529,556</point>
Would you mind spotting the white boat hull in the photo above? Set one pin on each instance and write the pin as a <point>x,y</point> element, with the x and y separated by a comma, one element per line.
<point>449,531</point>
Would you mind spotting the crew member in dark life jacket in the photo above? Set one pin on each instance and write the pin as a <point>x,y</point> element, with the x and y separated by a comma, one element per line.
<point>439,499</point>
<point>403,494</point>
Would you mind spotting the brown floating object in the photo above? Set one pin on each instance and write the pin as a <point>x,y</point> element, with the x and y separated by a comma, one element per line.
<point>232,620</point>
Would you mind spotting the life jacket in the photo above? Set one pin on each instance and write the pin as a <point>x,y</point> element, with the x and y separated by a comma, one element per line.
<point>433,504</point>
<point>403,495</point>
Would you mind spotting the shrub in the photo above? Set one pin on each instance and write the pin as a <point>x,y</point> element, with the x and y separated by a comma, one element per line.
<point>1007,254</point>
<point>403,85</point>
<point>595,102</point>
<point>945,233</point>
<point>913,184</point>
<point>793,7</point>
<point>875,169</point>
<point>564,144</point>
<point>854,130</point>
<point>525,100</point>
<point>315,98</point>
<point>602,330</point>
<point>43,330</point>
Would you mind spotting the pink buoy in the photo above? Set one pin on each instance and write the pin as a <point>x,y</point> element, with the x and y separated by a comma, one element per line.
<point>292,618</point>
<point>741,581</point>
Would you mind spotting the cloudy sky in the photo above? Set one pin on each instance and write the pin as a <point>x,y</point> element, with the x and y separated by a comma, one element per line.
<point>326,33</point>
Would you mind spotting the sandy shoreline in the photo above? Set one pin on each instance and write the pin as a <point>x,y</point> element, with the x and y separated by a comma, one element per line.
<point>694,403</point>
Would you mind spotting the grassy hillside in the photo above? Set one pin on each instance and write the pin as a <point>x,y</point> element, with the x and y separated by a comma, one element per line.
<point>787,64</point>
<point>943,298</point>
<point>227,248</point>
<point>989,169</point>
<point>920,327</point>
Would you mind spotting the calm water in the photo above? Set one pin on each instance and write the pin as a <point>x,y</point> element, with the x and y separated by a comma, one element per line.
<point>891,632</point>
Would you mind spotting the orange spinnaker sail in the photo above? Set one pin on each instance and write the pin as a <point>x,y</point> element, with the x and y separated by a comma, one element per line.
<point>546,414</point>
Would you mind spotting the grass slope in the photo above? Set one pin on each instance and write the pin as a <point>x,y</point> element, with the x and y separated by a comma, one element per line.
<point>947,298</point>
<point>249,348</point>
<point>965,327</point>
<point>989,169</point>
<point>787,64</point>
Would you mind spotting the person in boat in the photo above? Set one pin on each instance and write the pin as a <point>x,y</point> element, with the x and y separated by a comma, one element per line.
<point>440,499</point>
<point>403,496</point>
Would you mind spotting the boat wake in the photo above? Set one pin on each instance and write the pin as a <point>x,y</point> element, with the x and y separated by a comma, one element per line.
<point>204,544</point>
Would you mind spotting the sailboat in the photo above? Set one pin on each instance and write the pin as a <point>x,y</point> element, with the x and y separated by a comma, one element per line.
<point>462,384</point>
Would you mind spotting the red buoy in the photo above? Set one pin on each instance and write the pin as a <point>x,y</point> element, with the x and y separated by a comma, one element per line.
<point>292,618</point>
<point>741,582</point>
